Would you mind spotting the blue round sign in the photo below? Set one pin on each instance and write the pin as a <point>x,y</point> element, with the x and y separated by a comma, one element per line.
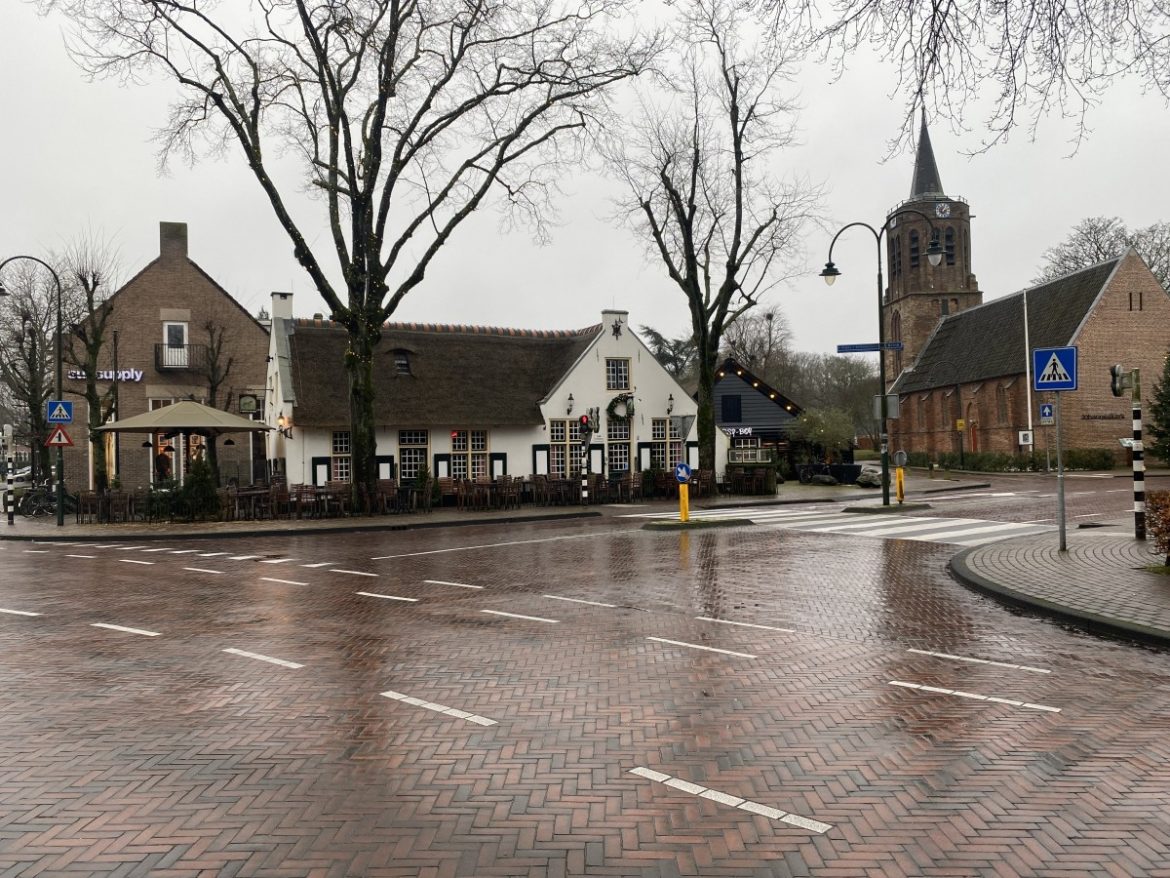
<point>682,473</point>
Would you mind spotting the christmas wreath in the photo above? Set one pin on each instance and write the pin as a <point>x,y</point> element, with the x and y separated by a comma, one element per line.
<point>626,402</point>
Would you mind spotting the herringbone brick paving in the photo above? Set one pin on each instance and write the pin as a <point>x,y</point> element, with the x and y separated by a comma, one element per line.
<point>163,756</point>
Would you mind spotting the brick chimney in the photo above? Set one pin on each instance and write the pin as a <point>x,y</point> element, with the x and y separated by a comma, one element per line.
<point>172,243</point>
<point>282,305</point>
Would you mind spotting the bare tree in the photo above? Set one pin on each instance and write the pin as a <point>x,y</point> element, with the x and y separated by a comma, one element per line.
<point>695,166</point>
<point>1029,57</point>
<point>28,319</point>
<point>88,274</point>
<point>217,367</point>
<point>760,342</point>
<point>404,114</point>
<point>1098,238</point>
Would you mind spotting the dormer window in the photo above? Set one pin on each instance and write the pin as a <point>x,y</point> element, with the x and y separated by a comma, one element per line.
<point>402,362</point>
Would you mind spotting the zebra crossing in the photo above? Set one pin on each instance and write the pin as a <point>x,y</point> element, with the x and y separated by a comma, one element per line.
<point>954,531</point>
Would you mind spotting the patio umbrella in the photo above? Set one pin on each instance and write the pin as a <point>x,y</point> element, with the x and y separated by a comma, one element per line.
<point>186,417</point>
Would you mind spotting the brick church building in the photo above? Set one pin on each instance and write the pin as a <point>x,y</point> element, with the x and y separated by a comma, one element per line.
<point>962,376</point>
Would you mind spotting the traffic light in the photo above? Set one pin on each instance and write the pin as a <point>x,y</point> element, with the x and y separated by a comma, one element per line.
<point>587,426</point>
<point>1117,382</point>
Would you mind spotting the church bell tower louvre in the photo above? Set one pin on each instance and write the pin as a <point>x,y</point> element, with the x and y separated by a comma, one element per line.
<point>918,294</point>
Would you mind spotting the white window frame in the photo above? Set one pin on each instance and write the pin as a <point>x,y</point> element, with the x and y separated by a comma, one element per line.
<point>613,376</point>
<point>175,356</point>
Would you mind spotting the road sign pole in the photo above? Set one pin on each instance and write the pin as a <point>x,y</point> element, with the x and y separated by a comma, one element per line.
<point>1139,465</point>
<point>1060,481</point>
<point>10,461</point>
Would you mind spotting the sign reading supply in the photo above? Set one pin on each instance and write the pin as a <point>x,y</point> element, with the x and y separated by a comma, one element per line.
<point>107,375</point>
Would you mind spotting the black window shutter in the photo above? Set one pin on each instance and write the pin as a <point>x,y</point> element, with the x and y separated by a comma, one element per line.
<point>732,409</point>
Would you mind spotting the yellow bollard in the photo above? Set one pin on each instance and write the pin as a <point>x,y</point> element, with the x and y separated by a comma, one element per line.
<point>684,504</point>
<point>900,483</point>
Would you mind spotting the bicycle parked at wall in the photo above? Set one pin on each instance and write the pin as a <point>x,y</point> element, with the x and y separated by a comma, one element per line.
<point>806,472</point>
<point>41,499</point>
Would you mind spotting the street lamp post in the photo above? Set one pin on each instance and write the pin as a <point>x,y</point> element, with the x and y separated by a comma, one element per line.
<point>831,273</point>
<point>60,382</point>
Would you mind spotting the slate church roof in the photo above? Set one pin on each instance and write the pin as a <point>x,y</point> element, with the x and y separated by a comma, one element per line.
<point>926,180</point>
<point>475,375</point>
<point>987,341</point>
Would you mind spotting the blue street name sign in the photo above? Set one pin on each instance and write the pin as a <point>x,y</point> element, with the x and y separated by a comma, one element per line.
<point>1054,368</point>
<point>682,473</point>
<point>59,411</point>
<point>872,347</point>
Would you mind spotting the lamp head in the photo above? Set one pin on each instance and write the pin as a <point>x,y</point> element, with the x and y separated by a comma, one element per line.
<point>670,404</point>
<point>934,253</point>
<point>569,407</point>
<point>830,273</point>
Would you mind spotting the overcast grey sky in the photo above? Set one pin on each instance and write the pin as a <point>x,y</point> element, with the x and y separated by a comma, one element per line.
<point>76,154</point>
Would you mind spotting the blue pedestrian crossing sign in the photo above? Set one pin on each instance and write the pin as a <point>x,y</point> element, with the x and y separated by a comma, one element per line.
<point>682,473</point>
<point>59,411</point>
<point>1054,369</point>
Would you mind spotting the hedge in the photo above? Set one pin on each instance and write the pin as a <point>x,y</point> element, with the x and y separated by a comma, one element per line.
<point>1158,521</point>
<point>996,462</point>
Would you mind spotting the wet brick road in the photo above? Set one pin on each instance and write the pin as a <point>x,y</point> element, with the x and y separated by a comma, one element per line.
<point>432,728</point>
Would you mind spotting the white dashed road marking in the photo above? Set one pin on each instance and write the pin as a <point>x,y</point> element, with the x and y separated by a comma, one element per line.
<point>183,551</point>
<point>263,658</point>
<point>959,694</point>
<point>746,624</point>
<point>145,551</point>
<point>355,572</point>
<point>203,570</point>
<point>322,564</point>
<point>440,708</point>
<point>90,557</point>
<point>604,533</point>
<point>243,557</point>
<point>455,584</point>
<point>700,646</point>
<point>388,597</point>
<point>979,661</point>
<point>129,561</point>
<point>141,631</point>
<point>557,597</point>
<point>211,554</point>
<point>686,786</point>
<point>518,616</point>
<point>278,560</point>
<point>282,581</point>
<point>19,612</point>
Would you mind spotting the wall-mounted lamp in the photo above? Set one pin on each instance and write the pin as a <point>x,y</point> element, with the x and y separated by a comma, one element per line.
<point>670,404</point>
<point>229,441</point>
<point>284,426</point>
<point>147,444</point>
<point>569,407</point>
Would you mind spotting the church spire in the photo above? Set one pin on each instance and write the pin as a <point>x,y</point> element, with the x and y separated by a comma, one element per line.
<point>926,179</point>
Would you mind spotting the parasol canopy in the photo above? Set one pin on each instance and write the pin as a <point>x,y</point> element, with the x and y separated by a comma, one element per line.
<point>186,417</point>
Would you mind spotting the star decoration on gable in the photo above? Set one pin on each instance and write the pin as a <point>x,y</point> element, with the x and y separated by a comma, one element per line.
<point>617,328</point>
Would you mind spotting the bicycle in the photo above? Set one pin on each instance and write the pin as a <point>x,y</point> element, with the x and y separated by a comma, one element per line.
<point>806,472</point>
<point>41,499</point>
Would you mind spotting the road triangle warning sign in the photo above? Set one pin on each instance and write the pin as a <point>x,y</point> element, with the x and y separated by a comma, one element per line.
<point>58,439</point>
<point>1054,372</point>
<point>60,413</point>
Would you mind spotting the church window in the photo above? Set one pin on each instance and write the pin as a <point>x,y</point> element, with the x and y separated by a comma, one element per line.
<point>1139,301</point>
<point>896,335</point>
<point>896,255</point>
<point>949,245</point>
<point>913,248</point>
<point>1001,404</point>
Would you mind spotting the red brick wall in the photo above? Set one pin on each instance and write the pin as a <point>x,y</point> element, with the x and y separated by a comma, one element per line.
<point>171,287</point>
<point>1137,335</point>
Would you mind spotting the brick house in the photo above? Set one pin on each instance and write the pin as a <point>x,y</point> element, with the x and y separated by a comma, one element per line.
<point>162,320</point>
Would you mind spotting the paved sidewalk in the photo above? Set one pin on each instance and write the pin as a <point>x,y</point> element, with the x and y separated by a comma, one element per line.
<point>1101,582</point>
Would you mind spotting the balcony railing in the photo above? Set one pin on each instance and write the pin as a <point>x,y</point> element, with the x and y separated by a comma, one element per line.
<point>189,357</point>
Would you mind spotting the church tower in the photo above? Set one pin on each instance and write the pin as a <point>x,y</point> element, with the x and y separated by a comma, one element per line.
<point>917,294</point>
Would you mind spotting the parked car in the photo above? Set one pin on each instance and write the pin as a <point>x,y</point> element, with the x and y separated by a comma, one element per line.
<point>21,481</point>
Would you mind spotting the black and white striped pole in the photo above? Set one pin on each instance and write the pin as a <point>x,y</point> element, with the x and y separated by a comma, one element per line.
<point>588,426</point>
<point>1120,380</point>
<point>10,466</point>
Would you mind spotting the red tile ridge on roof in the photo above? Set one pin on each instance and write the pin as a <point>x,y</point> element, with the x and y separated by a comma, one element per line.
<point>461,329</point>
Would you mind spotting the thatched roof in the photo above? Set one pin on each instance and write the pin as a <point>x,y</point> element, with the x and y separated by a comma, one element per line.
<point>473,375</point>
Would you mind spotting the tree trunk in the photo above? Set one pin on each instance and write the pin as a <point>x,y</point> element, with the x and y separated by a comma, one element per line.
<point>359,363</point>
<point>706,414</point>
